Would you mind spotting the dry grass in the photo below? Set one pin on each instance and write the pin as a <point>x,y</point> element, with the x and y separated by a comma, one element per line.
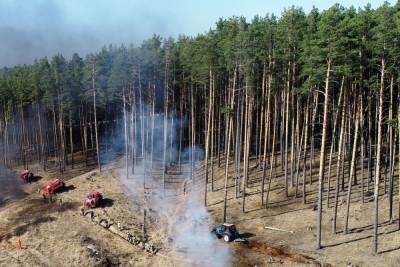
<point>57,228</point>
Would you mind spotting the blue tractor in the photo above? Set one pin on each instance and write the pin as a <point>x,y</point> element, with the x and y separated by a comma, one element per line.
<point>227,231</point>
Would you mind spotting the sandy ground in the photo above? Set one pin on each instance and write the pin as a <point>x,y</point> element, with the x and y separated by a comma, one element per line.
<point>291,214</point>
<point>57,234</point>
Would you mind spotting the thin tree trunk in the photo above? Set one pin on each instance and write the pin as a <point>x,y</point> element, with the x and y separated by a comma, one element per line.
<point>247,151</point>
<point>362,149</point>
<point>230,126</point>
<point>207,148</point>
<point>95,119</point>
<point>352,173</point>
<point>271,169</point>
<point>322,157</point>
<point>299,148</point>
<point>152,127</point>
<point>333,142</point>
<point>125,135</point>
<point>71,139</point>
<point>287,133</point>
<point>398,129</point>
<point>391,147</point>
<point>166,92</point>
<point>314,115</point>
<point>378,160</point>
<point>305,149</point>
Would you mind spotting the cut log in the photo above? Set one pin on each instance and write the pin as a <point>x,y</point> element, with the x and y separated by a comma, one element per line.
<point>278,229</point>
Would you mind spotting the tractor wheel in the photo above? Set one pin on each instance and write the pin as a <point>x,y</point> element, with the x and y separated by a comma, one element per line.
<point>219,236</point>
<point>227,238</point>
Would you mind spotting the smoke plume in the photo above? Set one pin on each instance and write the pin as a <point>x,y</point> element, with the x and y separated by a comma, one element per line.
<point>184,223</point>
<point>9,185</point>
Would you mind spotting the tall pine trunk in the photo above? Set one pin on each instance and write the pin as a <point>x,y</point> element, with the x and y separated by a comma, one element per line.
<point>322,156</point>
<point>378,159</point>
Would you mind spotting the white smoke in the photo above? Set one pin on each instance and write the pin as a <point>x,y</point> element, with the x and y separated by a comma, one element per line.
<point>184,223</point>
<point>193,235</point>
<point>10,185</point>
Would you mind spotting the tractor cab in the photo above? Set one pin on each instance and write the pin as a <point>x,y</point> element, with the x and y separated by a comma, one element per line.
<point>26,175</point>
<point>52,187</point>
<point>92,200</point>
<point>227,231</point>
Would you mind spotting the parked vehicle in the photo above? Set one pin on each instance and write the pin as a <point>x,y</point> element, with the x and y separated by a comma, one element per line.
<point>52,187</point>
<point>93,200</point>
<point>227,231</point>
<point>26,175</point>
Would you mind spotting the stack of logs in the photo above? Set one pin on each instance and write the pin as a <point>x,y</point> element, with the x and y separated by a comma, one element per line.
<point>118,230</point>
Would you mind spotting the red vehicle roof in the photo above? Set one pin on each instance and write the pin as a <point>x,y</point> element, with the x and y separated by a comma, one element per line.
<point>95,193</point>
<point>25,174</point>
<point>53,185</point>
